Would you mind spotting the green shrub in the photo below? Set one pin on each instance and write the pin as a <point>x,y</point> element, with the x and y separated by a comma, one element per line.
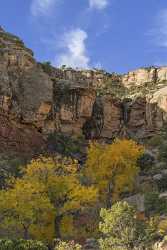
<point>162,184</point>
<point>21,245</point>
<point>155,141</point>
<point>146,161</point>
<point>113,87</point>
<point>67,246</point>
<point>155,205</point>
<point>10,165</point>
<point>66,145</point>
<point>163,151</point>
<point>122,230</point>
<point>47,67</point>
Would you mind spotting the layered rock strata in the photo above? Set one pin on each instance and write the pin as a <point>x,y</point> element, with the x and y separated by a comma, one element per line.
<point>37,99</point>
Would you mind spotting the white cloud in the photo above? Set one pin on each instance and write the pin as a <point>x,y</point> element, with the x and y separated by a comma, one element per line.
<point>98,4</point>
<point>42,7</point>
<point>75,54</point>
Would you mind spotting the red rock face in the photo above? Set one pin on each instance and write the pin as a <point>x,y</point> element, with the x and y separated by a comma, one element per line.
<point>19,139</point>
<point>25,97</point>
<point>112,117</point>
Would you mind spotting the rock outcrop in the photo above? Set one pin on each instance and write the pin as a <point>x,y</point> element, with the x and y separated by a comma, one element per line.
<point>37,99</point>
<point>24,88</point>
<point>145,75</point>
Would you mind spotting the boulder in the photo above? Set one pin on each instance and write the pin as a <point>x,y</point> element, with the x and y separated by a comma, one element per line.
<point>137,200</point>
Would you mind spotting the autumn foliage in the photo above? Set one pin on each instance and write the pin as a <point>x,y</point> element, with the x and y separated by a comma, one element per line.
<point>49,191</point>
<point>113,168</point>
<point>57,198</point>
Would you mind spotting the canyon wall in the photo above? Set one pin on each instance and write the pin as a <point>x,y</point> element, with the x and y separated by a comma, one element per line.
<point>37,99</point>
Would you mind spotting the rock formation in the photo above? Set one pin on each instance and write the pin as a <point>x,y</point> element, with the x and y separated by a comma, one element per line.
<point>37,99</point>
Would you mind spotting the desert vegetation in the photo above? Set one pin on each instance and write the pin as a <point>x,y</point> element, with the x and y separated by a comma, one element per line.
<point>53,202</point>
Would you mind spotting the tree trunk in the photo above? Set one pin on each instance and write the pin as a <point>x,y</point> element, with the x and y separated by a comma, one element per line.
<point>26,233</point>
<point>57,226</point>
<point>109,196</point>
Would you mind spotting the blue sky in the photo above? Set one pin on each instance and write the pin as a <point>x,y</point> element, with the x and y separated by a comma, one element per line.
<point>116,35</point>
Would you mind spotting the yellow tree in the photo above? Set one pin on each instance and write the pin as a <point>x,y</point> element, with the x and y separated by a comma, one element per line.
<point>26,211</point>
<point>113,168</point>
<point>60,179</point>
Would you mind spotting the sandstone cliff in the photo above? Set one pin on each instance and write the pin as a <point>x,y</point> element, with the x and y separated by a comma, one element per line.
<point>37,99</point>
